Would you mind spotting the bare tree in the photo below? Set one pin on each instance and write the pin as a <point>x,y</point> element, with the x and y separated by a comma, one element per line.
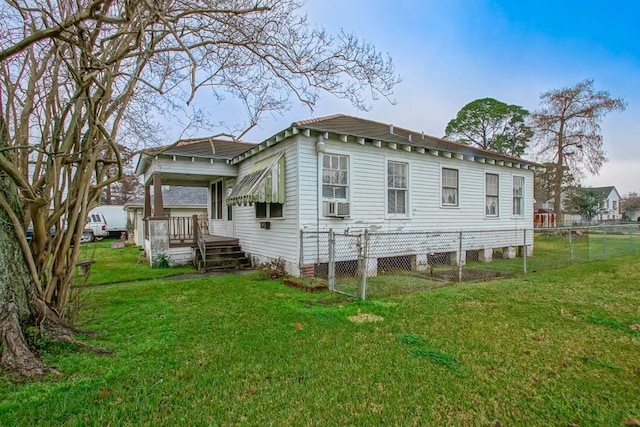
<point>568,131</point>
<point>73,74</point>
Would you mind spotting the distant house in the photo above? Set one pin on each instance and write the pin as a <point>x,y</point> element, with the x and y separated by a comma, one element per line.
<point>179,202</point>
<point>610,209</point>
<point>342,173</point>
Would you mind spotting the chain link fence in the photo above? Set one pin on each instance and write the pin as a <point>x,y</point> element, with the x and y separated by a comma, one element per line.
<point>367,263</point>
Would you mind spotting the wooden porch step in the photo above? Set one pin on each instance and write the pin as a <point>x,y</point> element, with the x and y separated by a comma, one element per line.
<point>222,249</point>
<point>220,241</point>
<point>229,256</point>
<point>221,254</point>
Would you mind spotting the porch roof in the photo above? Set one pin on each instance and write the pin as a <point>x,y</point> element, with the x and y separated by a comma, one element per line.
<point>263,182</point>
<point>197,148</point>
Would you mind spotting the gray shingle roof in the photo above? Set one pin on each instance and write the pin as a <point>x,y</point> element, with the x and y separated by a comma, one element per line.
<point>204,148</point>
<point>369,129</point>
<point>177,196</point>
<point>604,191</point>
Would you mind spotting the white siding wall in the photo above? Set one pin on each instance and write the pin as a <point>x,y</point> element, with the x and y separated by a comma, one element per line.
<point>367,195</point>
<point>608,212</point>
<point>180,211</point>
<point>367,192</point>
<point>282,239</point>
<point>180,256</point>
<point>135,216</point>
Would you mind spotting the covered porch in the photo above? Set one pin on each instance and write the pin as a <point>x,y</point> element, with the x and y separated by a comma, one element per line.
<point>191,163</point>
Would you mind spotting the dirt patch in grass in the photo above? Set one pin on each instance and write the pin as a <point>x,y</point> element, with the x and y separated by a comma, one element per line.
<point>307,285</point>
<point>328,302</point>
<point>365,317</point>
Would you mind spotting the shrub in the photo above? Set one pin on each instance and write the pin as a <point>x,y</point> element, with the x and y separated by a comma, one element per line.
<point>161,261</point>
<point>273,269</point>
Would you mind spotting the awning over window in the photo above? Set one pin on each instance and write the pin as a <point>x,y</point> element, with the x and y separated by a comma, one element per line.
<point>263,182</point>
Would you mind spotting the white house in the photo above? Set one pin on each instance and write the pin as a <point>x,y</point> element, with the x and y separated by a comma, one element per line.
<point>610,210</point>
<point>340,172</point>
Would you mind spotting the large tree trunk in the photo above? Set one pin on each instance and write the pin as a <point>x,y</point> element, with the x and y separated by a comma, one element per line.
<point>16,309</point>
<point>21,302</point>
<point>18,293</point>
<point>557,205</point>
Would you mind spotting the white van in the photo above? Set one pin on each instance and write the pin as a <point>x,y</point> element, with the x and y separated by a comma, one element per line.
<point>115,218</point>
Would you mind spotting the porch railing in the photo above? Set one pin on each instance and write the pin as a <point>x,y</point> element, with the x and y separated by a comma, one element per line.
<point>185,229</point>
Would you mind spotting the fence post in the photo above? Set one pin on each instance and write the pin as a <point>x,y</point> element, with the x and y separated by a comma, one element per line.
<point>524,251</point>
<point>331,273</point>
<point>604,243</point>
<point>460,257</point>
<point>630,241</point>
<point>365,261</point>
<point>570,246</point>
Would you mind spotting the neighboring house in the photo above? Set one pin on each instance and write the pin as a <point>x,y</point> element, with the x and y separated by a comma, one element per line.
<point>340,172</point>
<point>560,220</point>
<point>610,209</point>
<point>179,202</point>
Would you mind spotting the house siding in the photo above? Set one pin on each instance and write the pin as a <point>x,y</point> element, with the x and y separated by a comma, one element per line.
<point>367,192</point>
<point>608,212</point>
<point>281,240</point>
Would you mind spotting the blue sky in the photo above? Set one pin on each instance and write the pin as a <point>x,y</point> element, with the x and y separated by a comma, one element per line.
<point>452,52</point>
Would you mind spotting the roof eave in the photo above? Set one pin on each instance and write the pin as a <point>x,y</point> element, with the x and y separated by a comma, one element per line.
<point>143,164</point>
<point>494,158</point>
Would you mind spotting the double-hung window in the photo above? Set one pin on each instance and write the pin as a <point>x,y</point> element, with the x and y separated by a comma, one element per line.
<point>491,194</point>
<point>335,176</point>
<point>518,195</point>
<point>449,187</point>
<point>397,187</point>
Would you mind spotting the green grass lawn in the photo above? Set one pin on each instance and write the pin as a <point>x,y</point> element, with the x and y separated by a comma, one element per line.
<point>115,265</point>
<point>549,348</point>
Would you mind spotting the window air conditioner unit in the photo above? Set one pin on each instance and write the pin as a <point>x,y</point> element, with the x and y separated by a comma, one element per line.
<point>335,209</point>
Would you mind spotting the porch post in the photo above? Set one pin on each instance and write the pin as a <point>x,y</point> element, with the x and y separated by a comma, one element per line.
<point>146,212</point>
<point>158,206</point>
<point>147,202</point>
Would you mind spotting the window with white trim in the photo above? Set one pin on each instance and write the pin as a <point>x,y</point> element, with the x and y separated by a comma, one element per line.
<point>268,210</point>
<point>335,176</point>
<point>518,195</point>
<point>397,187</point>
<point>491,194</point>
<point>449,187</point>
